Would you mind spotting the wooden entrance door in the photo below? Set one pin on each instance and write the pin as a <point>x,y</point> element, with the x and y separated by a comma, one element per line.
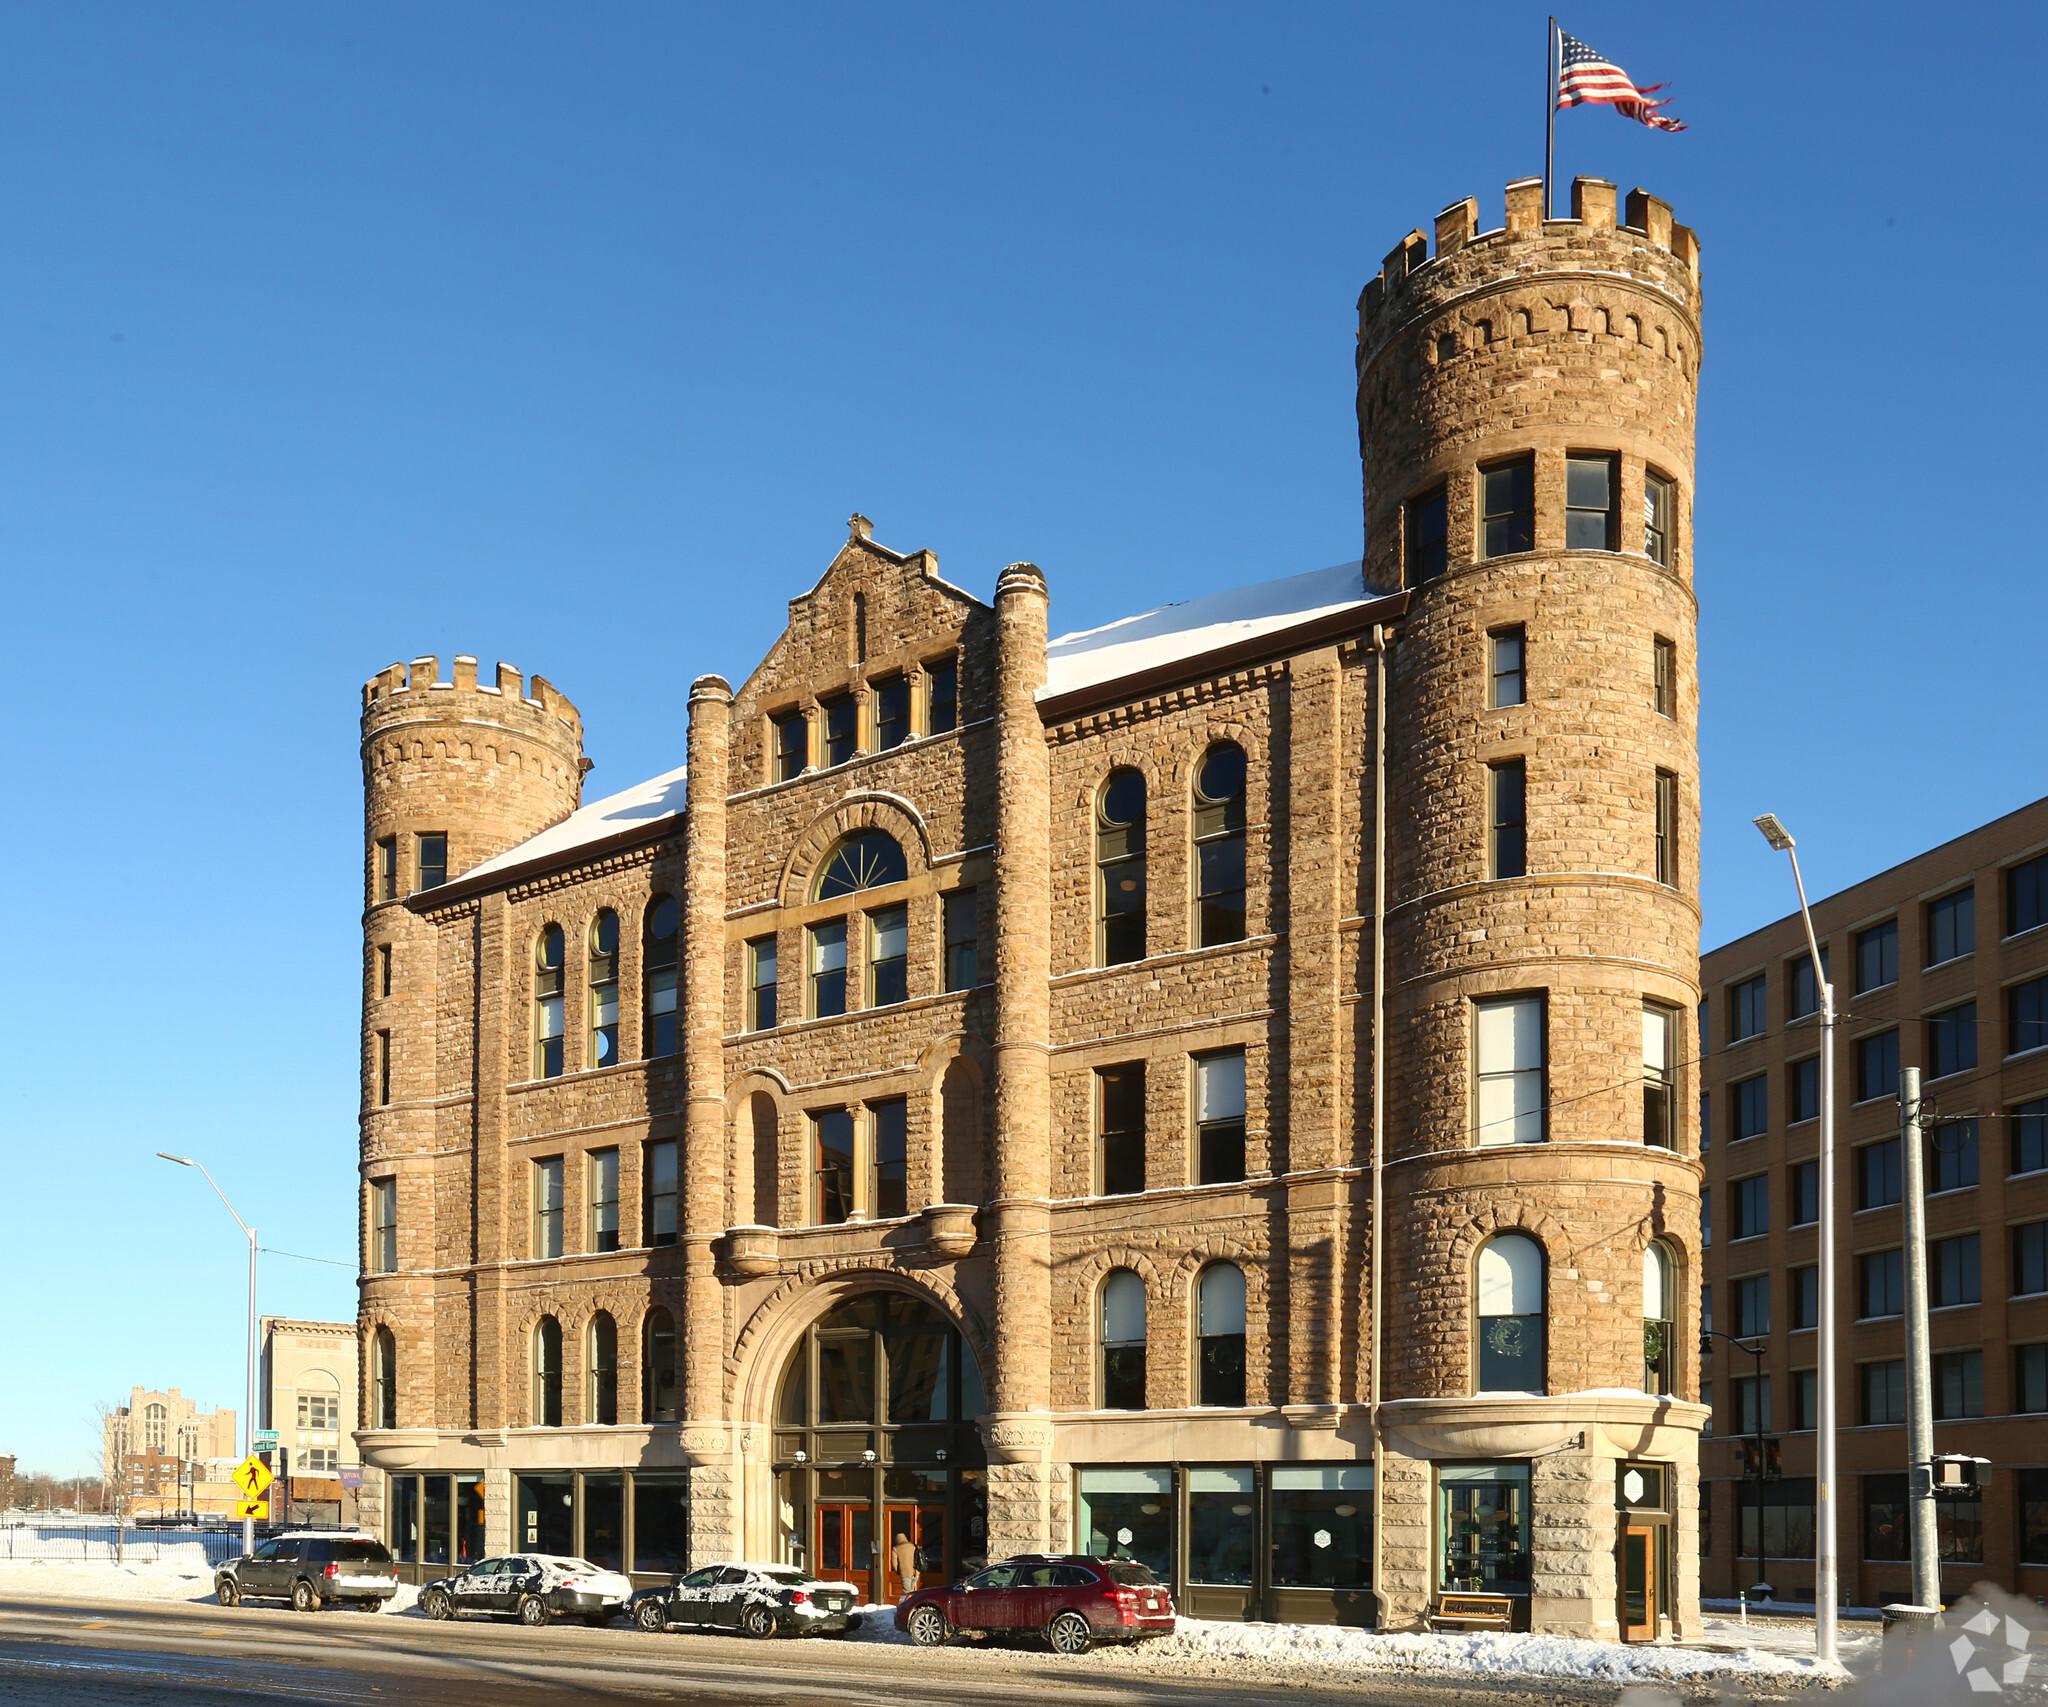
<point>845,1550</point>
<point>1638,1583</point>
<point>925,1527</point>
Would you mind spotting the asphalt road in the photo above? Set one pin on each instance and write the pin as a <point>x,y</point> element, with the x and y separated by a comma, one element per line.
<point>59,1653</point>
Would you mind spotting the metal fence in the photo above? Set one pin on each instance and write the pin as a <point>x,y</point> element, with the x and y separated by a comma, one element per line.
<point>74,1544</point>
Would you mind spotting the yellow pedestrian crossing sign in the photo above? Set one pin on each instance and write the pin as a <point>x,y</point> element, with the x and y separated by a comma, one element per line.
<point>252,1476</point>
<point>259,1509</point>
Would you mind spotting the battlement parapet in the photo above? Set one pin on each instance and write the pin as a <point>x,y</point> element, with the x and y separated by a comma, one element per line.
<point>402,691</point>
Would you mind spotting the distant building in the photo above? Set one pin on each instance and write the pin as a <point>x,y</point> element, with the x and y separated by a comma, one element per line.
<point>307,1393</point>
<point>161,1449</point>
<point>6,1484</point>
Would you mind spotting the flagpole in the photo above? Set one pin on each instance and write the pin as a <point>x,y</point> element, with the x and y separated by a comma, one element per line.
<point>1549,110</point>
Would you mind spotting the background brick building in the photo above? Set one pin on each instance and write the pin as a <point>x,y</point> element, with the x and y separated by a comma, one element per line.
<point>161,1452</point>
<point>949,1104</point>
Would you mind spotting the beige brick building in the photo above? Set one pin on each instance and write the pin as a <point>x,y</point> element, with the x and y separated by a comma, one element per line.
<point>948,1105</point>
<point>308,1384</point>
<point>1942,964</point>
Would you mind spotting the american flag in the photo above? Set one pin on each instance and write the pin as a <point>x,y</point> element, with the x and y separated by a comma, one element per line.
<point>1584,76</point>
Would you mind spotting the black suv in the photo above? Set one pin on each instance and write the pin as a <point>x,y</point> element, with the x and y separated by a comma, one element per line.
<point>309,1571</point>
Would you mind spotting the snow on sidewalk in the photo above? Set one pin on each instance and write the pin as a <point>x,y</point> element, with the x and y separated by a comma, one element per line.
<point>104,1580</point>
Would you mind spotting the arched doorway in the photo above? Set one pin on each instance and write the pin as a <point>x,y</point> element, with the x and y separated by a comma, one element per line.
<point>879,1467</point>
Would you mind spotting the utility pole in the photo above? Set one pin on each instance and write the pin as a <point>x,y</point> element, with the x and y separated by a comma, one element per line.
<point>1922,1518</point>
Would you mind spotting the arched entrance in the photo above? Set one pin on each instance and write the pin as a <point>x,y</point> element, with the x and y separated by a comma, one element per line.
<point>879,1467</point>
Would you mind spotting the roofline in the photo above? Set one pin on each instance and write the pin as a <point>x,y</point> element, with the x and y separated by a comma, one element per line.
<point>482,882</point>
<point>1257,649</point>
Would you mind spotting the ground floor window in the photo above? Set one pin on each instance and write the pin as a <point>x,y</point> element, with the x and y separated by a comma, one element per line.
<point>435,1520</point>
<point>1959,1528</point>
<point>544,1514</point>
<point>1484,1524</point>
<point>1222,1533</point>
<point>1126,1512</point>
<point>1887,1534</point>
<point>1787,1518</point>
<point>1321,1520</point>
<point>2033,1499</point>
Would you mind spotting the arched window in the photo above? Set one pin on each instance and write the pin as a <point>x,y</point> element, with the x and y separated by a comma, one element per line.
<point>384,1379</point>
<point>547,1004</point>
<point>1120,868</point>
<point>1510,1315</point>
<point>1123,1341</point>
<point>604,990</point>
<point>601,1370</point>
<point>1219,1335</point>
<point>659,1362</point>
<point>867,859</point>
<point>1219,846</point>
<point>547,1374</point>
<point>1660,1318</point>
<point>663,955</point>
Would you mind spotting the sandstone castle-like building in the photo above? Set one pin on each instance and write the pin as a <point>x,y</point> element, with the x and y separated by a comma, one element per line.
<point>1213,1089</point>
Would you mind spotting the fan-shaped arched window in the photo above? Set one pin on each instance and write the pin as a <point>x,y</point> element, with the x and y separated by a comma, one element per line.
<point>1219,1335</point>
<point>662,953</point>
<point>1660,1317</point>
<point>1123,1341</point>
<point>604,990</point>
<point>659,1362</point>
<point>384,1379</point>
<point>1509,1276</point>
<point>867,859</point>
<point>1120,868</point>
<point>547,1003</point>
<point>601,1370</point>
<point>1219,845</point>
<point>547,1373</point>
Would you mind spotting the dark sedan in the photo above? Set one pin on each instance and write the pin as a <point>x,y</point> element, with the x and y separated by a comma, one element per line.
<point>1072,1600</point>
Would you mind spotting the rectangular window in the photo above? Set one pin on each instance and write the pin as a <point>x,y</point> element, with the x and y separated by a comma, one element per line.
<point>832,1166</point>
<point>761,964</point>
<point>1803,1087</point>
<point>1592,517</point>
<point>1752,1306</point>
<point>2026,1016</point>
<point>1958,1385</point>
<point>792,745</point>
<point>1706,1125</point>
<point>384,1225</point>
<point>1664,676</point>
<point>1506,667</point>
<point>1955,1270</point>
<point>2030,1394</point>
<point>1660,1082</point>
<point>2033,1503</point>
<point>1805,1399</point>
<point>842,727</point>
<point>1508,507</point>
<point>383,969</point>
<point>433,860</point>
<point>383,1069</point>
<point>963,936</point>
<point>1659,517</point>
<point>888,956</point>
<point>1803,988</point>
<point>1879,1175</point>
<point>1952,1155</point>
<point>1667,827</point>
<point>828,968</point>
<point>1881,1283</point>
<point>1427,529</point>
<point>547,1207</point>
<point>2029,1123</point>
<point>1321,1527</point>
<point>1887,1519</point>
<point>1952,1041</point>
<point>1803,1188</point>
<point>1883,1391</point>
<point>1706,1215</point>
<point>1750,1100</point>
<point>1507,810</point>
<point>1746,1011</point>
<point>2026,895</point>
<point>1752,1206</point>
<point>1802,1295</point>
<point>1706,1028</point>
<point>1219,1117</point>
<point>1877,1066</point>
<point>603,1232</point>
<point>1752,1404</point>
<point>1951,926</point>
<point>387,869</point>
<point>1511,1069</point>
<point>1877,956</point>
<point>1483,1518</point>
<point>892,713</point>
<point>2030,1258</point>
<point>891,1166</point>
<point>658,1192</point>
<point>941,696</point>
<point>1120,1129</point>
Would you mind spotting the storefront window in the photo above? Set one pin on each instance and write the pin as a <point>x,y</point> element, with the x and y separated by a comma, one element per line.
<point>1222,1521</point>
<point>604,1521</point>
<point>438,1532</point>
<point>546,1508</point>
<point>1484,1522</point>
<point>469,1519</point>
<point>1788,1518</point>
<point>1959,1528</point>
<point>1127,1513</point>
<point>405,1518</point>
<point>1322,1525</point>
<point>661,1520</point>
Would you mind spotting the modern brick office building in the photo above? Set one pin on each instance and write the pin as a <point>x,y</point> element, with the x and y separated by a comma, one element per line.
<point>949,1106</point>
<point>1942,964</point>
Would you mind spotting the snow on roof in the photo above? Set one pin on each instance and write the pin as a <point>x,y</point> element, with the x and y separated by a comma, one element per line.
<point>657,797</point>
<point>1194,626</point>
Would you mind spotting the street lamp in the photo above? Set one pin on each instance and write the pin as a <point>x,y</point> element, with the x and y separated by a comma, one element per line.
<point>1824,1573</point>
<point>249,1414</point>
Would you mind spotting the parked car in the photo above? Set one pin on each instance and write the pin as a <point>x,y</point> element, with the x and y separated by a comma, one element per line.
<point>763,1600</point>
<point>532,1587</point>
<point>1073,1600</point>
<point>310,1571</point>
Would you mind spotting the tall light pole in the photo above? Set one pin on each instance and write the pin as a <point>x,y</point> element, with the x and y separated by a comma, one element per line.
<point>1824,1573</point>
<point>249,1414</point>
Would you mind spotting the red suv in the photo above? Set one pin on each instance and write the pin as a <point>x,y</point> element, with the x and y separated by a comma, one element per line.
<point>1073,1600</point>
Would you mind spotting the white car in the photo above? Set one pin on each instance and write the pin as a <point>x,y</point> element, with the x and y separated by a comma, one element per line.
<point>532,1587</point>
<point>761,1599</point>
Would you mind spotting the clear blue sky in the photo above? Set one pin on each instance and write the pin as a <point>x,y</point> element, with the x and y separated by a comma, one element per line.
<point>570,335</point>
